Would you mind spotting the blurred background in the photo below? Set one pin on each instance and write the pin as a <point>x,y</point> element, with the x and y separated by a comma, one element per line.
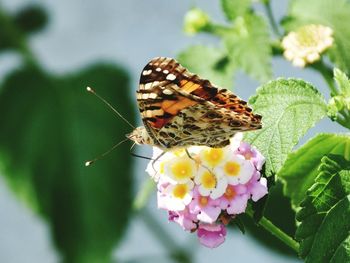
<point>52,208</point>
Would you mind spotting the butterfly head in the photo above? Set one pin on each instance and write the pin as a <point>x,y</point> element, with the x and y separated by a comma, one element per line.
<point>140,136</point>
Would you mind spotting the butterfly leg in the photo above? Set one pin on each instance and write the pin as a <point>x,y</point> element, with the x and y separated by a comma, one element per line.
<point>189,156</point>
<point>155,160</point>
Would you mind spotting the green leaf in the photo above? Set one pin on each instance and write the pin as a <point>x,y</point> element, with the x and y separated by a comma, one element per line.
<point>289,108</point>
<point>248,46</point>
<point>328,13</point>
<point>339,104</point>
<point>234,8</point>
<point>49,127</point>
<point>210,63</point>
<point>343,82</point>
<point>324,216</point>
<point>300,169</point>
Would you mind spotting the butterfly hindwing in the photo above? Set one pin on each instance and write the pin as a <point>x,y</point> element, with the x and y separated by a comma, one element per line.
<point>179,108</point>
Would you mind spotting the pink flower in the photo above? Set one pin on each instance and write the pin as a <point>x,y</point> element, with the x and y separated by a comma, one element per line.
<point>257,188</point>
<point>185,219</point>
<point>211,235</point>
<point>250,153</point>
<point>235,199</point>
<point>206,209</point>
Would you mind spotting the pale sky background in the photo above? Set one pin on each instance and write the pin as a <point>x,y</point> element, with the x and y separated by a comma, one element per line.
<point>128,32</point>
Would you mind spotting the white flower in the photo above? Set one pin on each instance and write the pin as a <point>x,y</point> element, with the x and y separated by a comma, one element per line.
<point>305,45</point>
<point>156,168</point>
<point>180,169</point>
<point>175,197</point>
<point>237,169</point>
<point>212,157</point>
<point>210,184</point>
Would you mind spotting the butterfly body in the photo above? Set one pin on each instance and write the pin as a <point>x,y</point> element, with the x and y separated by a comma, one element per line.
<point>180,109</point>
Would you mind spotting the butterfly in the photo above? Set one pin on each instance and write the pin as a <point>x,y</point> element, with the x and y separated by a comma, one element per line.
<point>180,109</point>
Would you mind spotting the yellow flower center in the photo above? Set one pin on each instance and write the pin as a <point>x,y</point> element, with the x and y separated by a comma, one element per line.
<point>232,168</point>
<point>182,170</point>
<point>161,168</point>
<point>179,152</point>
<point>208,180</point>
<point>213,156</point>
<point>203,201</point>
<point>180,191</point>
<point>229,193</point>
<point>307,35</point>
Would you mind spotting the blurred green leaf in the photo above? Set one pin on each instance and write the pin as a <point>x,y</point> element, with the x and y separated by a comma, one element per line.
<point>10,36</point>
<point>195,21</point>
<point>334,14</point>
<point>235,8</point>
<point>278,210</point>
<point>31,19</point>
<point>325,225</point>
<point>210,63</point>
<point>49,127</point>
<point>248,45</point>
<point>301,167</point>
<point>289,108</point>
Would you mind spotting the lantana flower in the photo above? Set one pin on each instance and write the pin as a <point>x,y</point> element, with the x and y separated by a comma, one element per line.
<point>210,184</point>
<point>175,197</point>
<point>211,235</point>
<point>206,208</point>
<point>180,169</point>
<point>204,191</point>
<point>305,45</point>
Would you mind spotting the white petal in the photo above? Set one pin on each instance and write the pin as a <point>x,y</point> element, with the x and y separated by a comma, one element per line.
<point>204,191</point>
<point>220,189</point>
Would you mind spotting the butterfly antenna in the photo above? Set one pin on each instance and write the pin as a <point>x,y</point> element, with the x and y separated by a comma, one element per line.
<point>88,163</point>
<point>109,106</point>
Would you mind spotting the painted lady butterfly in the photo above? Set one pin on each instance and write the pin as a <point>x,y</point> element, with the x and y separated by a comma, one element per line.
<point>180,109</point>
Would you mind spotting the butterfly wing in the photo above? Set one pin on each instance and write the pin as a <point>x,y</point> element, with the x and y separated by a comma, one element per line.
<point>179,108</point>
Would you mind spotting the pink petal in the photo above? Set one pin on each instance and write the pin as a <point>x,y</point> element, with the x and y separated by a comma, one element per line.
<point>238,204</point>
<point>211,236</point>
<point>258,189</point>
<point>185,219</point>
<point>209,214</point>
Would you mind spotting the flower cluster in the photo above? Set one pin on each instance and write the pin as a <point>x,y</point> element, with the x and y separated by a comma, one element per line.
<point>305,45</point>
<point>204,189</point>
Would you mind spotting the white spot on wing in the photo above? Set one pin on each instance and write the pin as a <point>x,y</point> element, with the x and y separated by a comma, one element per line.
<point>165,71</point>
<point>147,72</point>
<point>148,85</point>
<point>158,69</point>
<point>171,77</point>
<point>153,95</point>
<point>167,92</point>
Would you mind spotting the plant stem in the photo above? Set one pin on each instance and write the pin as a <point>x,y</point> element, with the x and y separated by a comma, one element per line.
<point>144,194</point>
<point>271,18</point>
<point>277,232</point>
